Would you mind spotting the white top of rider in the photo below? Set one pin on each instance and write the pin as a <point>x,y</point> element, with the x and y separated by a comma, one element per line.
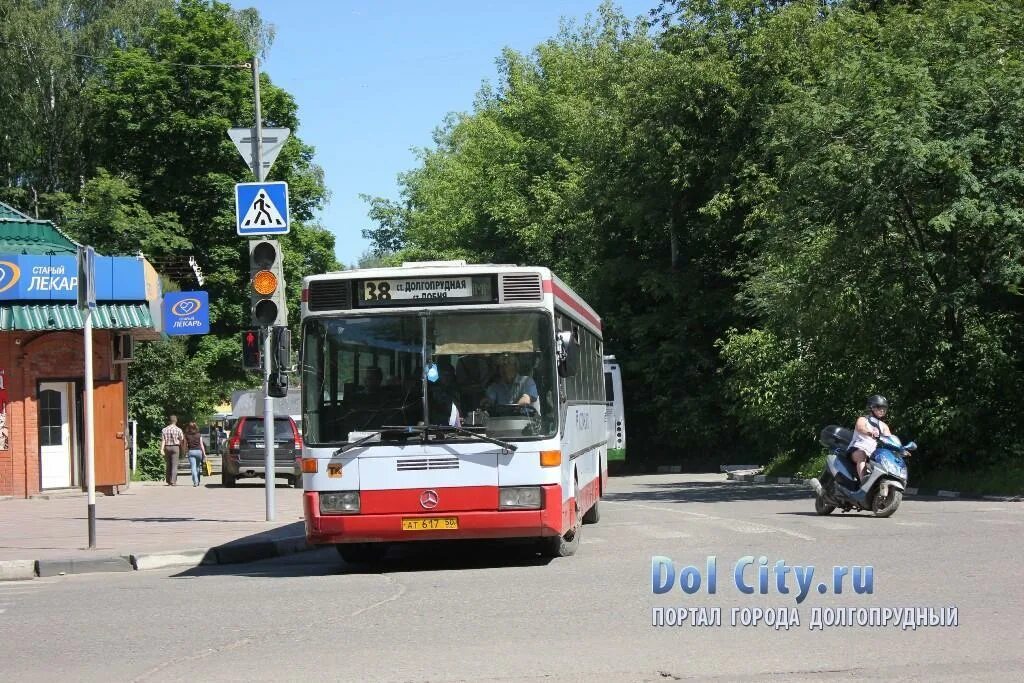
<point>867,442</point>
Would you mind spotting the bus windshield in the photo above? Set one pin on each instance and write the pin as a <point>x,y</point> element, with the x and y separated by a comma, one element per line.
<point>489,369</point>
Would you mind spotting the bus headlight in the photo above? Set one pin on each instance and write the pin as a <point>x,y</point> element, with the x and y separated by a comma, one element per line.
<point>519,497</point>
<point>339,502</point>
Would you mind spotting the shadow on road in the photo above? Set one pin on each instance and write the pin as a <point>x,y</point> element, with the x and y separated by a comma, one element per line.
<point>247,484</point>
<point>170,519</point>
<point>420,556</point>
<point>734,491</point>
<point>707,492</point>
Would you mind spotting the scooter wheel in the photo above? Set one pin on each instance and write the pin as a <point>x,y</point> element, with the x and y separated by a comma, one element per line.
<point>823,508</point>
<point>886,506</point>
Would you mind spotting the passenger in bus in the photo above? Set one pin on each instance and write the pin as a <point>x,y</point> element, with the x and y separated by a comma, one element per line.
<point>511,388</point>
<point>374,380</point>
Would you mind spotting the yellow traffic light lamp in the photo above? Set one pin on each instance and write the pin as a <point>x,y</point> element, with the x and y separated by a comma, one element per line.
<point>266,270</point>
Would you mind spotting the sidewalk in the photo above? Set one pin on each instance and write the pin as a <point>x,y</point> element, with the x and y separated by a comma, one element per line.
<point>151,519</point>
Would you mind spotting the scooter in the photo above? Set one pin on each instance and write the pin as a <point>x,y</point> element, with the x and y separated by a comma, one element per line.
<point>885,477</point>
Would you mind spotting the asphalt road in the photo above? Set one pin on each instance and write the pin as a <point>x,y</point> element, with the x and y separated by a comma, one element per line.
<point>495,612</point>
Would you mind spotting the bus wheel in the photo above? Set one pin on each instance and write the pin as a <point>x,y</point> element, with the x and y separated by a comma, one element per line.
<point>561,546</point>
<point>566,545</point>
<point>593,515</point>
<point>361,553</point>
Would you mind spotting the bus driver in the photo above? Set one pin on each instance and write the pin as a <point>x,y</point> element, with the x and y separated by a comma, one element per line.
<point>511,387</point>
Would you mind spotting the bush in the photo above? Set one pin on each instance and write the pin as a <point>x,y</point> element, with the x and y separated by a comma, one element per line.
<point>150,466</point>
<point>790,464</point>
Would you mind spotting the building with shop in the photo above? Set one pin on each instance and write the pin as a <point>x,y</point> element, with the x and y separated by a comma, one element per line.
<point>42,362</point>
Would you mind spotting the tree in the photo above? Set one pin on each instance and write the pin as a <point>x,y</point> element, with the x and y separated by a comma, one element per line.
<point>117,129</point>
<point>50,50</point>
<point>163,110</point>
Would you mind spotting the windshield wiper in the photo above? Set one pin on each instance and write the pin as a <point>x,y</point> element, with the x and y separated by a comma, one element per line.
<point>424,430</point>
<point>357,442</point>
<point>466,432</point>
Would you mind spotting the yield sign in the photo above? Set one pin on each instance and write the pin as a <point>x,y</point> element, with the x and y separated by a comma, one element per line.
<point>245,141</point>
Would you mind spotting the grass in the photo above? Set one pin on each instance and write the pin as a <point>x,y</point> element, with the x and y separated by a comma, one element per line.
<point>791,465</point>
<point>1005,479</point>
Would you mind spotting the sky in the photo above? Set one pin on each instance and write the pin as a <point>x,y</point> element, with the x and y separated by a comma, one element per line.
<point>374,79</point>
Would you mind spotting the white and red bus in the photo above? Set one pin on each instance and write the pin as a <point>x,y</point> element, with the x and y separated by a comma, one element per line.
<point>444,400</point>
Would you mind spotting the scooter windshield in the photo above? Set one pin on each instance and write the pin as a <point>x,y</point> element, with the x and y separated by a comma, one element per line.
<point>891,463</point>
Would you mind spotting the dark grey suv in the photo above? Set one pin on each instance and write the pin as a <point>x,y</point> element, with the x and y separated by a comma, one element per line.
<point>246,450</point>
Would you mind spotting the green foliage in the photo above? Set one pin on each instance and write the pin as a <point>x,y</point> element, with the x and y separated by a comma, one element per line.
<point>127,150</point>
<point>150,465</point>
<point>109,217</point>
<point>1005,478</point>
<point>777,208</point>
<point>41,84</point>
<point>790,464</point>
<point>885,226</point>
<point>167,379</point>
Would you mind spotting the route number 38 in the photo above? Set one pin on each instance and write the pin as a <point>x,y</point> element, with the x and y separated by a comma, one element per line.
<point>377,291</point>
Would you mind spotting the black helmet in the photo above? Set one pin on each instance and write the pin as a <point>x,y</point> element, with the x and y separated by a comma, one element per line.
<point>877,401</point>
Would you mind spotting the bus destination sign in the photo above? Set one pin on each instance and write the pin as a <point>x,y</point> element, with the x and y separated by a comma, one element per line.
<point>460,289</point>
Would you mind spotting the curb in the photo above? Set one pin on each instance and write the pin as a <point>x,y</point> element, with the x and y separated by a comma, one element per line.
<point>17,570</point>
<point>160,560</point>
<point>86,565</point>
<point>910,491</point>
<point>229,553</point>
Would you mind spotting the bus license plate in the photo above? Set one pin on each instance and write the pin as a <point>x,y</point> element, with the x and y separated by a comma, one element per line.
<point>430,523</point>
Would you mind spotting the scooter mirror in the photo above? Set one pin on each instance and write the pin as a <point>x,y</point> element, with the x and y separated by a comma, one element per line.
<point>910,446</point>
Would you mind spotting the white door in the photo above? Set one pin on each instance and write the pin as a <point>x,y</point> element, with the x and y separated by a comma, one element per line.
<point>55,448</point>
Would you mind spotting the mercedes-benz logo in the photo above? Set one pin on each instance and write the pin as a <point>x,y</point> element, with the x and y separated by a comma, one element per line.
<point>428,499</point>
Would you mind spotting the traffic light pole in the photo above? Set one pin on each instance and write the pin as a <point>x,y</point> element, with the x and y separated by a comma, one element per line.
<point>268,400</point>
<point>268,426</point>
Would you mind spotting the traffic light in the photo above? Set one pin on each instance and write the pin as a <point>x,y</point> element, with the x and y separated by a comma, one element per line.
<point>251,350</point>
<point>266,279</point>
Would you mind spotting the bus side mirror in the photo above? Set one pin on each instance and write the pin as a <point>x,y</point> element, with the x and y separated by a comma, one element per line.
<point>568,355</point>
<point>282,348</point>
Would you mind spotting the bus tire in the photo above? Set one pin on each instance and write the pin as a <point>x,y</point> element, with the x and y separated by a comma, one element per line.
<point>558,546</point>
<point>593,515</point>
<point>361,553</point>
<point>567,544</point>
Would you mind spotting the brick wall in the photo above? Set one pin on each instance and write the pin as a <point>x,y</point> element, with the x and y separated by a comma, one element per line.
<point>7,484</point>
<point>28,359</point>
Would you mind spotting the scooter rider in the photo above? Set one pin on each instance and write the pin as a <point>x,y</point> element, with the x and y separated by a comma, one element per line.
<point>866,432</point>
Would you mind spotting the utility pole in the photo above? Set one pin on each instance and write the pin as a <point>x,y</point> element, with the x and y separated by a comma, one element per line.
<point>90,426</point>
<point>86,303</point>
<point>268,400</point>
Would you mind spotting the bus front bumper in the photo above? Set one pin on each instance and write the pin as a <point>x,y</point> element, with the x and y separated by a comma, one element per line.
<point>550,520</point>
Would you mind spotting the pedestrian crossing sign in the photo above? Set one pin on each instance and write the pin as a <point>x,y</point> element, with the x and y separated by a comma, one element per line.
<point>261,208</point>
